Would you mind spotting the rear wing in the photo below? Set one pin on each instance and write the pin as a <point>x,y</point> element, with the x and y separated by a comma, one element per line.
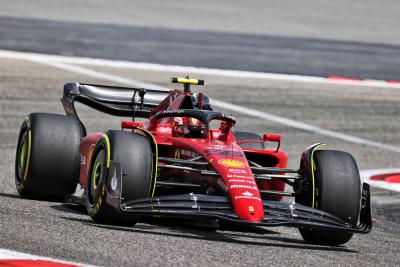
<point>113,100</point>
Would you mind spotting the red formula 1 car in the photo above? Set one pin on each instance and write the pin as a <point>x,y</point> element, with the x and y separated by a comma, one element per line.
<point>177,164</point>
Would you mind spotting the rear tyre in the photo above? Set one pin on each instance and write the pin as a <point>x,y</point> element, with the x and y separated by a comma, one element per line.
<point>134,153</point>
<point>240,136</point>
<point>47,156</point>
<point>337,191</point>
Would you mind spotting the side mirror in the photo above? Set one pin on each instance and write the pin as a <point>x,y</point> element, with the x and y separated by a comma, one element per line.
<point>273,138</point>
<point>131,125</point>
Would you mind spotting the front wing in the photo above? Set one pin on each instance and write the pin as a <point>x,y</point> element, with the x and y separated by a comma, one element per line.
<point>219,207</point>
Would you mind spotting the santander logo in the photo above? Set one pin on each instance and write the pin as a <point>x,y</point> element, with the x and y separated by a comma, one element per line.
<point>244,186</point>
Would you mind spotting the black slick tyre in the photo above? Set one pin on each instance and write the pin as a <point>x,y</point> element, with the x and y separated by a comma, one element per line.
<point>240,136</point>
<point>47,156</point>
<point>134,153</point>
<point>337,191</point>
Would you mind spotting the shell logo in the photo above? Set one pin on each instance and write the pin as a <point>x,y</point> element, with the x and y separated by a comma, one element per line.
<point>232,163</point>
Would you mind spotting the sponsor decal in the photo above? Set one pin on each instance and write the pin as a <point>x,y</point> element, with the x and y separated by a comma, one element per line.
<point>194,121</point>
<point>240,176</point>
<point>222,185</point>
<point>247,193</point>
<point>83,160</point>
<point>219,146</point>
<point>237,171</point>
<point>174,111</point>
<point>247,197</point>
<point>216,145</point>
<point>223,152</point>
<point>232,163</point>
<point>251,209</point>
<point>236,180</point>
<point>186,153</point>
<point>166,130</point>
<point>242,181</point>
<point>244,186</point>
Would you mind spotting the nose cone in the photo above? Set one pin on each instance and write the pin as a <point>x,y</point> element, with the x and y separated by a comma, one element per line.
<point>247,204</point>
<point>239,181</point>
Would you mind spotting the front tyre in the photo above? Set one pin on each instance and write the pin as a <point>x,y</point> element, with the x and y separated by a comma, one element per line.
<point>134,153</point>
<point>47,156</point>
<point>337,190</point>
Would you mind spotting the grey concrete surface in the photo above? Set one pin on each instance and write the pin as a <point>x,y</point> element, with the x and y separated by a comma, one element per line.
<point>358,20</point>
<point>56,230</point>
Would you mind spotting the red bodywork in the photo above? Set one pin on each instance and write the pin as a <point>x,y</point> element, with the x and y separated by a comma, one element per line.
<point>219,148</point>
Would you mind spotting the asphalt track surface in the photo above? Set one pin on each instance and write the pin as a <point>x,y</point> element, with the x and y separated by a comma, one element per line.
<point>222,50</point>
<point>56,230</point>
<point>357,20</point>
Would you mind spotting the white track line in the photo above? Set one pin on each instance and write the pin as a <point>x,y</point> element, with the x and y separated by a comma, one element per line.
<point>196,70</point>
<point>53,62</point>
<point>6,254</point>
